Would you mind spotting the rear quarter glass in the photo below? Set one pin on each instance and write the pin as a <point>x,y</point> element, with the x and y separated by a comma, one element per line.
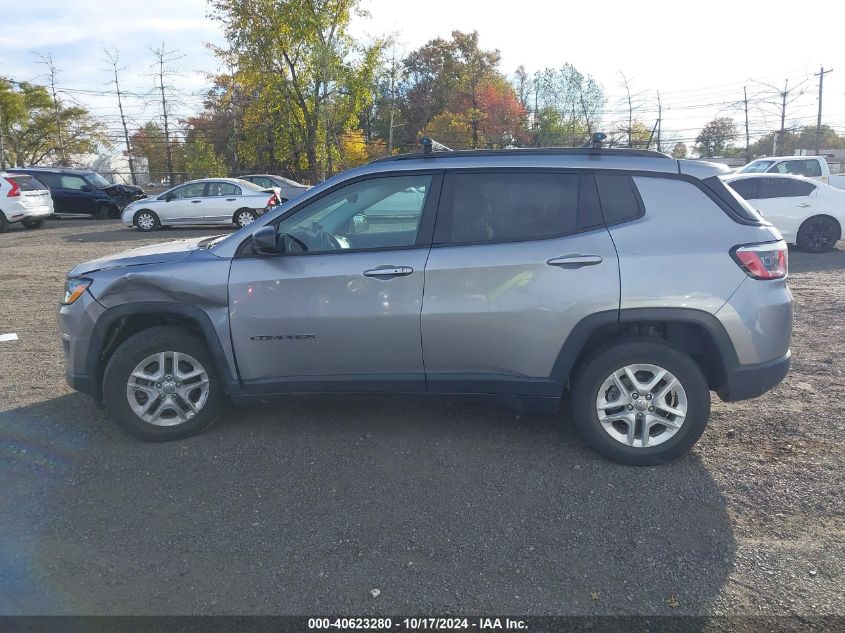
<point>27,183</point>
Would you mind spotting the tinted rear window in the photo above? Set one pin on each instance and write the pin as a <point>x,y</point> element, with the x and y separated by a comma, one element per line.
<point>732,202</point>
<point>620,201</point>
<point>503,206</point>
<point>27,183</point>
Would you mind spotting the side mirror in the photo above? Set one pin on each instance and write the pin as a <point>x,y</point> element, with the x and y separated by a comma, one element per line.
<point>265,241</point>
<point>169,197</point>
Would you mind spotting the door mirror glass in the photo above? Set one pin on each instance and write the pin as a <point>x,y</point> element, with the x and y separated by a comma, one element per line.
<point>265,241</point>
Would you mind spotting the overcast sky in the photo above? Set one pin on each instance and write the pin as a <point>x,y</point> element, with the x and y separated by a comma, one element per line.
<point>699,56</point>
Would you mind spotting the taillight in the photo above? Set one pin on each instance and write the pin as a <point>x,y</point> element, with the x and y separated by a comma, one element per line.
<point>762,261</point>
<point>272,201</point>
<point>15,190</point>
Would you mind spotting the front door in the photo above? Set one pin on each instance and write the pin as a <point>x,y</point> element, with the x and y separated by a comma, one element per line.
<point>339,307</point>
<point>519,258</point>
<point>185,204</point>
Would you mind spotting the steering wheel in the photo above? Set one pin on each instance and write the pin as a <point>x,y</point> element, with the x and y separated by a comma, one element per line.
<point>327,241</point>
<point>295,240</point>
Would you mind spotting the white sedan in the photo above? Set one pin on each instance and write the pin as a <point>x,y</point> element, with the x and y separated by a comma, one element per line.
<point>206,201</point>
<point>807,212</point>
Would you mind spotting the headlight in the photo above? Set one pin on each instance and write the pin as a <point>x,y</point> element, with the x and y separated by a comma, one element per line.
<point>74,287</point>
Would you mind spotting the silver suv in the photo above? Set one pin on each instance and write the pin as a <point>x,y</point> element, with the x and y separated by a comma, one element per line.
<point>628,281</point>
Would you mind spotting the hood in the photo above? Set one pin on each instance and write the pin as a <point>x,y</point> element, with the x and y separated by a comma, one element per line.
<point>153,254</point>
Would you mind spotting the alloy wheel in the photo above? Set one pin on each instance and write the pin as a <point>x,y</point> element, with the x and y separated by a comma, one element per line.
<point>641,405</point>
<point>145,221</point>
<point>244,218</point>
<point>167,388</point>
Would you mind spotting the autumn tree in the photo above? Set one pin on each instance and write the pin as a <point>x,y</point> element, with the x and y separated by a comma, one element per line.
<point>149,142</point>
<point>202,161</point>
<point>304,77</point>
<point>679,150</point>
<point>37,128</point>
<point>716,137</point>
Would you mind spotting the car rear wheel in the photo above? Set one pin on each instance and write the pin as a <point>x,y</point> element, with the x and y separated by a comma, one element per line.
<point>33,224</point>
<point>244,217</point>
<point>161,384</point>
<point>818,234</point>
<point>641,402</point>
<point>146,220</point>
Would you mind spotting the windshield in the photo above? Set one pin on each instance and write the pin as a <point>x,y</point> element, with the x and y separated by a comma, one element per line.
<point>756,167</point>
<point>98,180</point>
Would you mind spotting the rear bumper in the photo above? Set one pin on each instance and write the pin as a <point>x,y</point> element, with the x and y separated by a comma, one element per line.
<point>25,214</point>
<point>743,382</point>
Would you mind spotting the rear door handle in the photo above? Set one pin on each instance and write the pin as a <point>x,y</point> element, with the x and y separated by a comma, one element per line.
<point>195,201</point>
<point>804,205</point>
<point>230,199</point>
<point>575,261</point>
<point>389,271</point>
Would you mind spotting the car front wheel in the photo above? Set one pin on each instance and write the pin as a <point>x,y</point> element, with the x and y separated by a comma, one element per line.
<point>146,220</point>
<point>641,402</point>
<point>161,384</point>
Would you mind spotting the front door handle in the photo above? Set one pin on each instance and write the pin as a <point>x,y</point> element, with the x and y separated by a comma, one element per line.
<point>803,205</point>
<point>388,271</point>
<point>575,261</point>
<point>230,199</point>
<point>195,201</point>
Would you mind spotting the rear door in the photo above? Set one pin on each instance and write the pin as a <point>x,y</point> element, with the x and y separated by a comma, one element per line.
<point>786,202</point>
<point>61,201</point>
<point>221,201</point>
<point>519,259</point>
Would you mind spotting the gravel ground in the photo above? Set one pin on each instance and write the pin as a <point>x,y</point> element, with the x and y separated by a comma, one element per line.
<point>309,506</point>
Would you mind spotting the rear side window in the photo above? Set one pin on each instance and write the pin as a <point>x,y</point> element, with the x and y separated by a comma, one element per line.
<point>500,206</point>
<point>620,201</point>
<point>223,189</point>
<point>51,180</point>
<point>747,188</point>
<point>27,183</point>
<point>783,188</point>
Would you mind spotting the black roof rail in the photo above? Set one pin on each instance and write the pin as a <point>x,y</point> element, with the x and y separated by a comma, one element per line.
<point>550,151</point>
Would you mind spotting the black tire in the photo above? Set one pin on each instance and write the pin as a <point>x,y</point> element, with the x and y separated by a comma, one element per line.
<point>104,211</point>
<point>818,234</point>
<point>241,215</point>
<point>139,219</point>
<point>596,370</point>
<point>133,351</point>
<point>33,224</point>
<point>4,223</point>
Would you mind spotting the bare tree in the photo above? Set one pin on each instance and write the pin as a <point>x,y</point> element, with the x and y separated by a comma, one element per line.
<point>113,61</point>
<point>162,70</point>
<point>633,102</point>
<point>52,73</point>
<point>781,98</point>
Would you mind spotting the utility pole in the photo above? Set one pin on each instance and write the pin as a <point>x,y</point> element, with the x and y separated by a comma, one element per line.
<point>782,131</point>
<point>2,153</point>
<point>822,72</point>
<point>392,102</point>
<point>113,59</point>
<point>53,71</point>
<point>747,136</point>
<point>659,121</point>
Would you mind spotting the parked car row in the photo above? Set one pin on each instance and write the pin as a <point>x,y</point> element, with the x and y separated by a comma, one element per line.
<point>807,212</point>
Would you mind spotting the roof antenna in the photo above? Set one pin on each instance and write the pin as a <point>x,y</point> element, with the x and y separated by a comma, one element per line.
<point>596,140</point>
<point>429,145</point>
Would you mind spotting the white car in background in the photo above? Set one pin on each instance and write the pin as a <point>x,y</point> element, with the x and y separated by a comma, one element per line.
<point>287,188</point>
<point>205,201</point>
<point>809,213</point>
<point>23,199</point>
<point>814,167</point>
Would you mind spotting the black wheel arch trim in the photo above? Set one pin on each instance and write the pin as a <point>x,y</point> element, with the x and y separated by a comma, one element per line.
<point>99,339</point>
<point>587,326</point>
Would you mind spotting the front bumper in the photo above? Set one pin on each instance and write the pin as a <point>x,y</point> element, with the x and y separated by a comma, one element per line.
<point>743,382</point>
<point>76,324</point>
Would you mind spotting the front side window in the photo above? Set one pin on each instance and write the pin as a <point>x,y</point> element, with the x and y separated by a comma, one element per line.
<point>755,167</point>
<point>71,182</point>
<point>192,190</point>
<point>223,189</point>
<point>510,206</point>
<point>375,213</point>
<point>775,188</point>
